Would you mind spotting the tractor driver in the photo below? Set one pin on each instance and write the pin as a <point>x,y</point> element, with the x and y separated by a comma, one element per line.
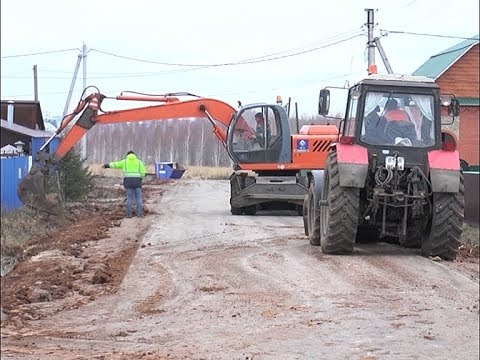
<point>398,129</point>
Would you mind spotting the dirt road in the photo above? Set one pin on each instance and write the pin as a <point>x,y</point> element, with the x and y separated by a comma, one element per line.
<point>208,285</point>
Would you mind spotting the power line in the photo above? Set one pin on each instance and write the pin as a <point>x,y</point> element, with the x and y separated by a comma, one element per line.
<point>240,62</point>
<point>432,35</point>
<point>193,67</point>
<point>39,53</point>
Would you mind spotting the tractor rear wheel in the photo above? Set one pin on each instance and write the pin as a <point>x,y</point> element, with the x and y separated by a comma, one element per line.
<point>339,218</point>
<point>446,224</point>
<point>312,217</point>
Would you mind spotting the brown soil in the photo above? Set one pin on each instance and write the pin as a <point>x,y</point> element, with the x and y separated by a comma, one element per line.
<point>223,287</point>
<point>77,262</point>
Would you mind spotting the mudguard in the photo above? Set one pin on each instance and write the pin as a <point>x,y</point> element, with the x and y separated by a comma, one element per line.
<point>352,164</point>
<point>444,170</point>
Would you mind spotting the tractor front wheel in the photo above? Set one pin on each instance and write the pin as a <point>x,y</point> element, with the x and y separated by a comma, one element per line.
<point>339,217</point>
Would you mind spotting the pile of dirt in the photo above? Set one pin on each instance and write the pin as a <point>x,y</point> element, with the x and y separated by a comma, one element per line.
<point>85,256</point>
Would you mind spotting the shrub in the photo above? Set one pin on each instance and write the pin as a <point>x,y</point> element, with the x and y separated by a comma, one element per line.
<point>73,177</point>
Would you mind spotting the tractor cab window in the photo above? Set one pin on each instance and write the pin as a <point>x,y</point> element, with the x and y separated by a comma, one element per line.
<point>398,119</point>
<point>256,129</point>
<point>351,119</point>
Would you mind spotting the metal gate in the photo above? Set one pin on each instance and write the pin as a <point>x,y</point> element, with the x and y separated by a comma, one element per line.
<point>13,169</point>
<point>471,197</point>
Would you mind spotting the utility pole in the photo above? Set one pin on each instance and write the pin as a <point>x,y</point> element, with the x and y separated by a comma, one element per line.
<point>35,82</point>
<point>84,67</point>
<point>374,42</point>
<point>72,85</point>
<point>383,55</point>
<point>371,41</point>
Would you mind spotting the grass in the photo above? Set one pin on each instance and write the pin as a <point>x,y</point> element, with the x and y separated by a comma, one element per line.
<point>192,172</point>
<point>470,235</point>
<point>18,227</point>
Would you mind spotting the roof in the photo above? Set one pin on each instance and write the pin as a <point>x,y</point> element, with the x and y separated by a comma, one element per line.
<point>24,130</point>
<point>441,62</point>
<point>398,77</point>
<point>398,80</point>
<point>27,113</point>
<point>8,149</point>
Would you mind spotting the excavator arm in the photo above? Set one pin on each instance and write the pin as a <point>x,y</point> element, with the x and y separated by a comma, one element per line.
<point>89,112</point>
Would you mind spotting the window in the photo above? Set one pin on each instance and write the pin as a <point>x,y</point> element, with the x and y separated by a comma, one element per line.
<point>351,118</point>
<point>398,119</point>
<point>257,129</point>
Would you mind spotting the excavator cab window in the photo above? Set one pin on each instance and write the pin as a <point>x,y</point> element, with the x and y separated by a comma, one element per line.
<point>256,134</point>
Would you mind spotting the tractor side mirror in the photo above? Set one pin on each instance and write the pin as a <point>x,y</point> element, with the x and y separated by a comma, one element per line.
<point>454,108</point>
<point>324,102</point>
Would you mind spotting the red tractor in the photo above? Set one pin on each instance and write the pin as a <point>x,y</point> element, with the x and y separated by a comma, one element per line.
<point>392,173</point>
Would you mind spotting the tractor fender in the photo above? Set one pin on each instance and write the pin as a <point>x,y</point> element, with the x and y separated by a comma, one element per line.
<point>317,176</point>
<point>352,164</point>
<point>444,171</point>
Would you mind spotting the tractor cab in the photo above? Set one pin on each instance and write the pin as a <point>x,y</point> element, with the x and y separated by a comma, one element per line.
<point>259,134</point>
<point>388,111</point>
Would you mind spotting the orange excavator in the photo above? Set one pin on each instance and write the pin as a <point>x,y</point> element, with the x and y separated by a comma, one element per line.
<point>267,169</point>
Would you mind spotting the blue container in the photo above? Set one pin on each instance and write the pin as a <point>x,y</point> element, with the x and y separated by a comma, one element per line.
<point>168,170</point>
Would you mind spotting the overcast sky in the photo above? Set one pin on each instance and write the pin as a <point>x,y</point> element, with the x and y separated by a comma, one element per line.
<point>287,48</point>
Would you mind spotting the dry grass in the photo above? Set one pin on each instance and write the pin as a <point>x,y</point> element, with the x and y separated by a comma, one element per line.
<point>192,172</point>
<point>203,172</point>
<point>18,226</point>
<point>470,235</point>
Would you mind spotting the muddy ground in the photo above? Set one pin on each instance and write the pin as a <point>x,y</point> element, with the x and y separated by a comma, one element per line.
<point>191,281</point>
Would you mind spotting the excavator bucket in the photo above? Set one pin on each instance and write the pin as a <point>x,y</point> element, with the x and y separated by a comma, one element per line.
<point>32,188</point>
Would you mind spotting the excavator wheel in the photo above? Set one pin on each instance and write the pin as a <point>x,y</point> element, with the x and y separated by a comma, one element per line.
<point>299,210</point>
<point>446,224</point>
<point>236,210</point>
<point>250,210</point>
<point>313,217</point>
<point>339,218</point>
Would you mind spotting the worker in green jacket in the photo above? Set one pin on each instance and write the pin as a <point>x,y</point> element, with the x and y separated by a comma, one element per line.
<point>133,175</point>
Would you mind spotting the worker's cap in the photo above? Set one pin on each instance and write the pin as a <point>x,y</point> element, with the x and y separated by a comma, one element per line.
<point>130,152</point>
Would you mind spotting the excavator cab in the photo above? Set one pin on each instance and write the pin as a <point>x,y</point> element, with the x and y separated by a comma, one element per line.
<point>260,134</point>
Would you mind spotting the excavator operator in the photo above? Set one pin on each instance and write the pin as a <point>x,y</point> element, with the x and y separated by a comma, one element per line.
<point>260,135</point>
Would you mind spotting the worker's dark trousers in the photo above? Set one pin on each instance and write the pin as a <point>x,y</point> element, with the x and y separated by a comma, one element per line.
<point>131,194</point>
